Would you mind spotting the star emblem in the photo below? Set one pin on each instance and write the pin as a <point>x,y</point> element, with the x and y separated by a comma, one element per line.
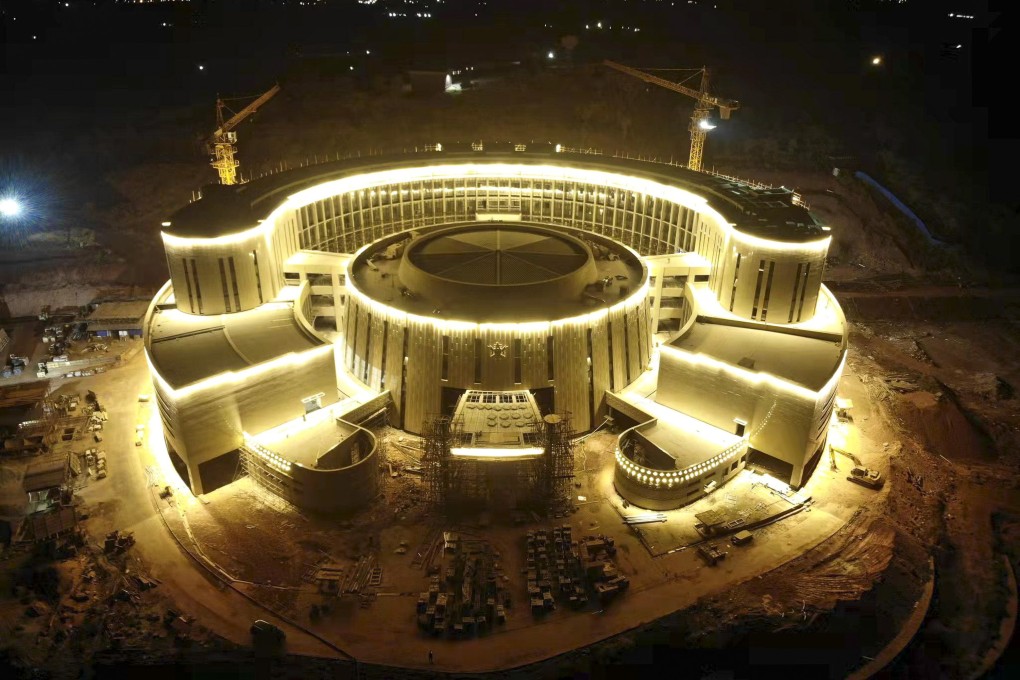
<point>498,350</point>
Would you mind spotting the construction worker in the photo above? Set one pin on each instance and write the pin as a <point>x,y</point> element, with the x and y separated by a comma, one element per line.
<point>430,656</point>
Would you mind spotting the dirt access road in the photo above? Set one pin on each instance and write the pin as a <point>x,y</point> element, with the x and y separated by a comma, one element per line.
<point>882,321</point>
<point>124,501</point>
<point>948,360</point>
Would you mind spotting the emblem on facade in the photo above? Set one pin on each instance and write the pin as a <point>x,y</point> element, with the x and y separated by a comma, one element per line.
<point>498,350</point>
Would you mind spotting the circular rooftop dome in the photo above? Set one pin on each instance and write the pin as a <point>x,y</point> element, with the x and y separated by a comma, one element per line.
<point>498,255</point>
<point>497,272</point>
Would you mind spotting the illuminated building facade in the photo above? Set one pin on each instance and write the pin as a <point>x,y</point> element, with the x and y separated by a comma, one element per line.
<point>685,304</point>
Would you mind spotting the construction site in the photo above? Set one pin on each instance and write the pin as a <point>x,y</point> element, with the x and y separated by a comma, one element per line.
<point>516,408</point>
<point>461,482</point>
<point>379,570</point>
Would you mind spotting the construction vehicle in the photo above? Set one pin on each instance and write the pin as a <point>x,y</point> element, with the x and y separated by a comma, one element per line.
<point>859,473</point>
<point>833,450</point>
<point>866,477</point>
<point>711,554</point>
<point>843,408</point>
<point>221,142</point>
<point>700,124</point>
<point>266,633</point>
<point>742,537</point>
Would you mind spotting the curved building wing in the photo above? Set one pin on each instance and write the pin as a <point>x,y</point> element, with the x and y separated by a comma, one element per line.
<point>686,305</point>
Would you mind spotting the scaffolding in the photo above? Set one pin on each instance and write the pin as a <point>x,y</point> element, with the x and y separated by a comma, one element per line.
<point>559,456</point>
<point>267,485</point>
<point>457,484</point>
<point>435,459</point>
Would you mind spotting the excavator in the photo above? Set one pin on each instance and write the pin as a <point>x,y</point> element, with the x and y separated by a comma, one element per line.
<point>700,124</point>
<point>221,142</point>
<point>858,473</point>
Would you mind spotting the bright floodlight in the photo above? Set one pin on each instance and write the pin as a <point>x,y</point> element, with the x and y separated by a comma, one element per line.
<point>875,61</point>
<point>551,55</point>
<point>705,125</point>
<point>9,207</point>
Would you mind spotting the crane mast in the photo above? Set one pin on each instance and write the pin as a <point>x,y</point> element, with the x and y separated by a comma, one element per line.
<point>222,141</point>
<point>705,102</point>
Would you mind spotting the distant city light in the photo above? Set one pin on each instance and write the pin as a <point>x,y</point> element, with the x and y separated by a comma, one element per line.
<point>551,55</point>
<point>9,207</point>
<point>876,61</point>
<point>201,67</point>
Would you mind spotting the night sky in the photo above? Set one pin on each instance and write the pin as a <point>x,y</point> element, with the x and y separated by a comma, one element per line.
<point>76,66</point>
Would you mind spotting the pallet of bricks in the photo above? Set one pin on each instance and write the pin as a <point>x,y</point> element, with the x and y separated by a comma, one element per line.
<point>596,557</point>
<point>552,567</point>
<point>467,596</point>
<point>559,567</point>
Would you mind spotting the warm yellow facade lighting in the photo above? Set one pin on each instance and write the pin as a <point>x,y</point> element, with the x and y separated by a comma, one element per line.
<point>291,359</point>
<point>526,452</point>
<point>370,180</point>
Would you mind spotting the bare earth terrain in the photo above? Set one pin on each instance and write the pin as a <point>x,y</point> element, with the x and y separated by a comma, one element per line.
<point>932,372</point>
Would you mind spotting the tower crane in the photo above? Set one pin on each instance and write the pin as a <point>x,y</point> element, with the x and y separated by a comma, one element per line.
<point>702,109</point>
<point>221,142</point>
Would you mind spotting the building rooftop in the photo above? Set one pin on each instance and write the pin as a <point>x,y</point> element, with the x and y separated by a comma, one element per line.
<point>494,272</point>
<point>118,315</point>
<point>305,440</point>
<point>119,310</point>
<point>686,440</point>
<point>765,212</point>
<point>45,474</point>
<point>807,360</point>
<point>186,348</point>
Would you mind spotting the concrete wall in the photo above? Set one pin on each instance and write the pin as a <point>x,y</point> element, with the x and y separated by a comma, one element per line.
<point>666,489</point>
<point>781,422</point>
<point>774,283</point>
<point>341,489</point>
<point>218,276</point>
<point>670,498</point>
<point>202,424</point>
<point>388,350</point>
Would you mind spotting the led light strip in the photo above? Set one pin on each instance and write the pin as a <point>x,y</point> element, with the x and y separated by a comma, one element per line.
<point>291,359</point>
<point>270,458</point>
<point>497,453</point>
<point>671,478</point>
<point>543,173</point>
<point>395,314</point>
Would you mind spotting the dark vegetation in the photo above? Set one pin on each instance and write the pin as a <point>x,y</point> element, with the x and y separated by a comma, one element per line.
<point>107,131</point>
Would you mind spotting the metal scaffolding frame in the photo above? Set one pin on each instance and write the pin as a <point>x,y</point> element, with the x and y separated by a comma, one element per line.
<point>435,459</point>
<point>267,486</point>
<point>464,484</point>
<point>559,456</point>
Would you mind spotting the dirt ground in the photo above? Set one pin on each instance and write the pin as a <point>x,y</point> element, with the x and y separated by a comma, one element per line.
<point>944,388</point>
<point>933,371</point>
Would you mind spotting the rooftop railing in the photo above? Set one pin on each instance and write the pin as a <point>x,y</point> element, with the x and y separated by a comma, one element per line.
<point>317,159</point>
